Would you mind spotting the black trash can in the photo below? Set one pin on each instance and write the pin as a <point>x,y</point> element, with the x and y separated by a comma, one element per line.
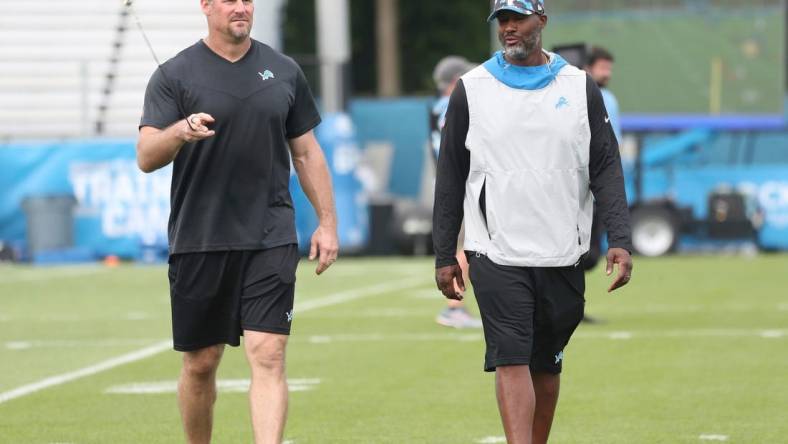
<point>50,222</point>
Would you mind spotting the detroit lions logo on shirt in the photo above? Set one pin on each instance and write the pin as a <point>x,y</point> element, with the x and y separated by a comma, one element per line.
<point>562,102</point>
<point>267,74</point>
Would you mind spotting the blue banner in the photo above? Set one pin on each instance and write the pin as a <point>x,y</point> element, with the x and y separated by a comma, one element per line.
<point>118,209</point>
<point>122,211</point>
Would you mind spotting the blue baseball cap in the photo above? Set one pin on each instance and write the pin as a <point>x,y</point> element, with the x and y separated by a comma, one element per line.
<point>524,7</point>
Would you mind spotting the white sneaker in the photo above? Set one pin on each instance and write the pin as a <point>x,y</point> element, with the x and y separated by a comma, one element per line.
<point>457,318</point>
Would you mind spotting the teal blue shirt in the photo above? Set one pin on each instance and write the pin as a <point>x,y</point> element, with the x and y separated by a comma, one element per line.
<point>611,103</point>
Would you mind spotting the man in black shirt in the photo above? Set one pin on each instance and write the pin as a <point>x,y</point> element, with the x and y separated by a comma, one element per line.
<point>229,112</point>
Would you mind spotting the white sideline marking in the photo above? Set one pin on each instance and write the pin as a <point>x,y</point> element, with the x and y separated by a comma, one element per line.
<point>87,371</point>
<point>492,440</point>
<point>705,437</point>
<point>223,385</point>
<point>334,299</point>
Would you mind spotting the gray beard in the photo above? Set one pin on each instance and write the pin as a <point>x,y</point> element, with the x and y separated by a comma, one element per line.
<point>517,52</point>
<point>521,51</point>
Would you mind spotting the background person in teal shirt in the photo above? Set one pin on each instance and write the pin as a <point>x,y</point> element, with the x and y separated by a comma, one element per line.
<point>600,68</point>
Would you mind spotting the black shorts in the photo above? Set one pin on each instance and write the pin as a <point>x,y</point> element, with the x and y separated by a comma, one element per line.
<point>217,295</point>
<point>528,314</point>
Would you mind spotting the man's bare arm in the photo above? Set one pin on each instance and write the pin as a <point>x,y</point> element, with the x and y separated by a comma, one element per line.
<point>156,148</point>
<point>310,165</point>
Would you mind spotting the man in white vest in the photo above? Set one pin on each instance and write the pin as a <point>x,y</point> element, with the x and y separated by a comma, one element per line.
<point>526,149</point>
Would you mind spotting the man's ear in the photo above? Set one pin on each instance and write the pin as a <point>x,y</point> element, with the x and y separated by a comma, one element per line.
<point>205,5</point>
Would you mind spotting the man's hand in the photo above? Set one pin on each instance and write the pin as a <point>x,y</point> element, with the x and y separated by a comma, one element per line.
<point>325,246</point>
<point>157,148</point>
<point>196,128</point>
<point>621,257</point>
<point>445,277</point>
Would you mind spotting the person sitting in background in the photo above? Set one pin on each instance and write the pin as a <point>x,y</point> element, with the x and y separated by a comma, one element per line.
<point>445,75</point>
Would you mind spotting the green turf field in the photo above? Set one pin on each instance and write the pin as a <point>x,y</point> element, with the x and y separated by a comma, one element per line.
<point>696,349</point>
<point>664,59</point>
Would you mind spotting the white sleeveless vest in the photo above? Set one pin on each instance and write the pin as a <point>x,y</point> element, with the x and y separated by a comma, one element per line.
<point>530,151</point>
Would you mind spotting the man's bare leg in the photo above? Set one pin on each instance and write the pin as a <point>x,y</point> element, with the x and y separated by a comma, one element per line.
<point>268,392</point>
<point>516,402</point>
<point>546,388</point>
<point>197,392</point>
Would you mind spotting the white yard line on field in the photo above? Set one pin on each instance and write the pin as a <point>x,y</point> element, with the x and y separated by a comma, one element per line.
<point>773,334</point>
<point>706,437</point>
<point>615,335</point>
<point>694,308</point>
<point>223,385</point>
<point>492,440</point>
<point>87,371</point>
<point>694,333</point>
<point>404,337</point>
<point>622,335</point>
<point>310,304</point>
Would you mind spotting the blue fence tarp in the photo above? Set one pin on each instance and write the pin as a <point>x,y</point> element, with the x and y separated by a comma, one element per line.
<point>121,210</point>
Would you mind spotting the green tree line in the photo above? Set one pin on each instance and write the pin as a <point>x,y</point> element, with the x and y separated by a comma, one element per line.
<point>428,31</point>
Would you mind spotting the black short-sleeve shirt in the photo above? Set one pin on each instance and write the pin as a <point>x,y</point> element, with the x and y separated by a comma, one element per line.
<point>231,191</point>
